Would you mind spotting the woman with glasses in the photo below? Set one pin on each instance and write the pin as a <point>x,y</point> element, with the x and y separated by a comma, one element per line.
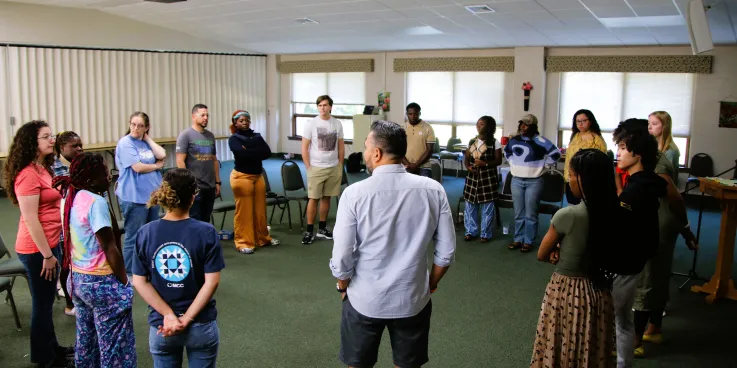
<point>28,178</point>
<point>586,134</point>
<point>139,160</point>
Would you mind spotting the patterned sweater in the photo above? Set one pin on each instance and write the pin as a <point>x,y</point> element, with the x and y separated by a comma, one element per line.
<point>528,156</point>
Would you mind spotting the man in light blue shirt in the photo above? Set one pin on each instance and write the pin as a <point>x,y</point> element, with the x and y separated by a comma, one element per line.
<point>383,230</point>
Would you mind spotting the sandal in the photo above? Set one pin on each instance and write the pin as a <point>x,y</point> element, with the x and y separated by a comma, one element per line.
<point>484,240</point>
<point>526,248</point>
<point>468,237</point>
<point>514,245</point>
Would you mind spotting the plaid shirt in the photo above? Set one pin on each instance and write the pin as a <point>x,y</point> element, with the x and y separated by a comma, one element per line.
<point>59,168</point>
<point>481,183</point>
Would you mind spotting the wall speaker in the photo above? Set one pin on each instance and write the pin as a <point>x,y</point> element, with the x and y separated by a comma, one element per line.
<point>698,27</point>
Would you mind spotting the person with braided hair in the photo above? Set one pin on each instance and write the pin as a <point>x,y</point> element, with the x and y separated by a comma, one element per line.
<point>28,181</point>
<point>576,324</point>
<point>99,284</point>
<point>176,270</point>
<point>68,144</point>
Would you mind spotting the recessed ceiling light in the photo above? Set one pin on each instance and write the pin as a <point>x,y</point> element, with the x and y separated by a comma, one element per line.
<point>655,21</point>
<point>421,31</point>
<point>479,9</point>
<point>306,21</point>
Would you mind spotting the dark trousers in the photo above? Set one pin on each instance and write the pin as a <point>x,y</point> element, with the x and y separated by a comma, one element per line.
<point>43,292</point>
<point>202,206</point>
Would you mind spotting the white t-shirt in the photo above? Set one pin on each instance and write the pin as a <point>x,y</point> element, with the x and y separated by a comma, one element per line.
<point>324,136</point>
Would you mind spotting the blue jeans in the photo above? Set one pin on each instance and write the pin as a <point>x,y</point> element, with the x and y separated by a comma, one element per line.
<point>43,292</point>
<point>202,206</point>
<point>526,197</point>
<point>471,219</point>
<point>135,215</point>
<point>200,339</point>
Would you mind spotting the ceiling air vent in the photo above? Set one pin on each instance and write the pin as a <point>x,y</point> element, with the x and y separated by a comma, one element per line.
<point>306,21</point>
<point>165,1</point>
<point>479,9</point>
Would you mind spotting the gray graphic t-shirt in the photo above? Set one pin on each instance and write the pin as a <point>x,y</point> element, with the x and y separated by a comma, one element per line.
<point>200,150</point>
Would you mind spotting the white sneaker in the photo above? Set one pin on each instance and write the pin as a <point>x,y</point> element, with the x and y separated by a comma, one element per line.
<point>71,312</point>
<point>60,291</point>
<point>245,251</point>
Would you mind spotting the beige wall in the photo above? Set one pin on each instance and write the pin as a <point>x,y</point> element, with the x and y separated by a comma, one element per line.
<point>60,26</point>
<point>529,66</point>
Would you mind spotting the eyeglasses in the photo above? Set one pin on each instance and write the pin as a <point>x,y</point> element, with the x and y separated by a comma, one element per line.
<point>48,137</point>
<point>137,126</point>
<point>582,122</point>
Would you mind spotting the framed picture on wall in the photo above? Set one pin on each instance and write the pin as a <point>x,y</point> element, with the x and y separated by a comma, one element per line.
<point>727,114</point>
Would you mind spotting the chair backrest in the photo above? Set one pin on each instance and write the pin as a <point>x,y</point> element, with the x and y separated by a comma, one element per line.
<point>436,146</point>
<point>266,180</point>
<point>3,248</point>
<point>701,165</point>
<point>553,186</point>
<point>507,189</point>
<point>344,179</point>
<point>291,176</point>
<point>436,171</point>
<point>452,142</point>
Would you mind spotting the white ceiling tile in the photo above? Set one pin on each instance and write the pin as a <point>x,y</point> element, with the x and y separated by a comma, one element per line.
<point>656,10</point>
<point>399,4</point>
<point>450,10</point>
<point>611,11</point>
<point>367,6</point>
<point>567,15</point>
<point>446,26</point>
<point>470,21</point>
<point>560,4</point>
<point>418,13</point>
<point>590,3</point>
<point>514,6</point>
<point>506,21</point>
<point>649,2</point>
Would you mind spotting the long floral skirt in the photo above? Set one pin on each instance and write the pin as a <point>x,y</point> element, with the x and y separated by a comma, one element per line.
<point>576,325</point>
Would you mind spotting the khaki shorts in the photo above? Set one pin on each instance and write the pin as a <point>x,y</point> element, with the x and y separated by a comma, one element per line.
<point>324,181</point>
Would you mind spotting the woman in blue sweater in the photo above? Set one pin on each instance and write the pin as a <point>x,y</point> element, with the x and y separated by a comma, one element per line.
<point>527,153</point>
<point>249,188</point>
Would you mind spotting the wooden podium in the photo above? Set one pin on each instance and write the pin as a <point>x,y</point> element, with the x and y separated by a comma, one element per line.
<point>721,284</point>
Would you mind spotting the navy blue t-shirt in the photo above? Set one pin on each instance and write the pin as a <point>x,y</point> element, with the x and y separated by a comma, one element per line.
<point>175,256</point>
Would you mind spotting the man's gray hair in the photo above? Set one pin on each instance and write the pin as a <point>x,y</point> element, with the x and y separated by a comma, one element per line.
<point>390,138</point>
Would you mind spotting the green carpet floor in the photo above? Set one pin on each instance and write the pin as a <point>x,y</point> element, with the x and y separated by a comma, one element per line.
<point>279,308</point>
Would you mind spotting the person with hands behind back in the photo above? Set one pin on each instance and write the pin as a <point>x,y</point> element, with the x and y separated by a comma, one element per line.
<point>100,289</point>
<point>176,270</point>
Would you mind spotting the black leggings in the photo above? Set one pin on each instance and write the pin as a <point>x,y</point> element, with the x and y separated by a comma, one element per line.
<point>63,276</point>
<point>643,317</point>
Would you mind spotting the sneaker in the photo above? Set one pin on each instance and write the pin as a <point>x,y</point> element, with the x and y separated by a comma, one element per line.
<point>640,352</point>
<point>324,233</point>
<point>245,251</point>
<point>275,242</point>
<point>307,238</point>
<point>70,312</point>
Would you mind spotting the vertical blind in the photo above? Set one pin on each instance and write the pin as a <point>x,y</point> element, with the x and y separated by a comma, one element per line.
<point>457,97</point>
<point>93,92</point>
<point>614,97</point>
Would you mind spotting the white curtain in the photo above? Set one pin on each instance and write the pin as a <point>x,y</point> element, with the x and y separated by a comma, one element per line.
<point>93,92</point>
<point>343,88</point>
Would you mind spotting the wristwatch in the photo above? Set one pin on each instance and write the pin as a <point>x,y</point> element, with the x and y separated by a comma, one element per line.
<point>218,183</point>
<point>337,287</point>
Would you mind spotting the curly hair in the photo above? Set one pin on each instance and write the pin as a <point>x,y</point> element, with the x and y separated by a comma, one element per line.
<point>62,139</point>
<point>85,167</point>
<point>176,192</point>
<point>23,152</point>
<point>633,133</point>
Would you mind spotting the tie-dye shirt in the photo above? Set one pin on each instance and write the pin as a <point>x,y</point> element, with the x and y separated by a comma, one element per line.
<point>89,214</point>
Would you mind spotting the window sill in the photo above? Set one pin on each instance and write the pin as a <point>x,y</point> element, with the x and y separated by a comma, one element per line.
<point>299,138</point>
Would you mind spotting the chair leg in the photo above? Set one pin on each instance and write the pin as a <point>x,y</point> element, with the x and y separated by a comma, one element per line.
<point>273,209</point>
<point>301,216</point>
<point>289,215</point>
<point>15,311</point>
<point>281,216</point>
<point>222,223</point>
<point>498,216</point>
